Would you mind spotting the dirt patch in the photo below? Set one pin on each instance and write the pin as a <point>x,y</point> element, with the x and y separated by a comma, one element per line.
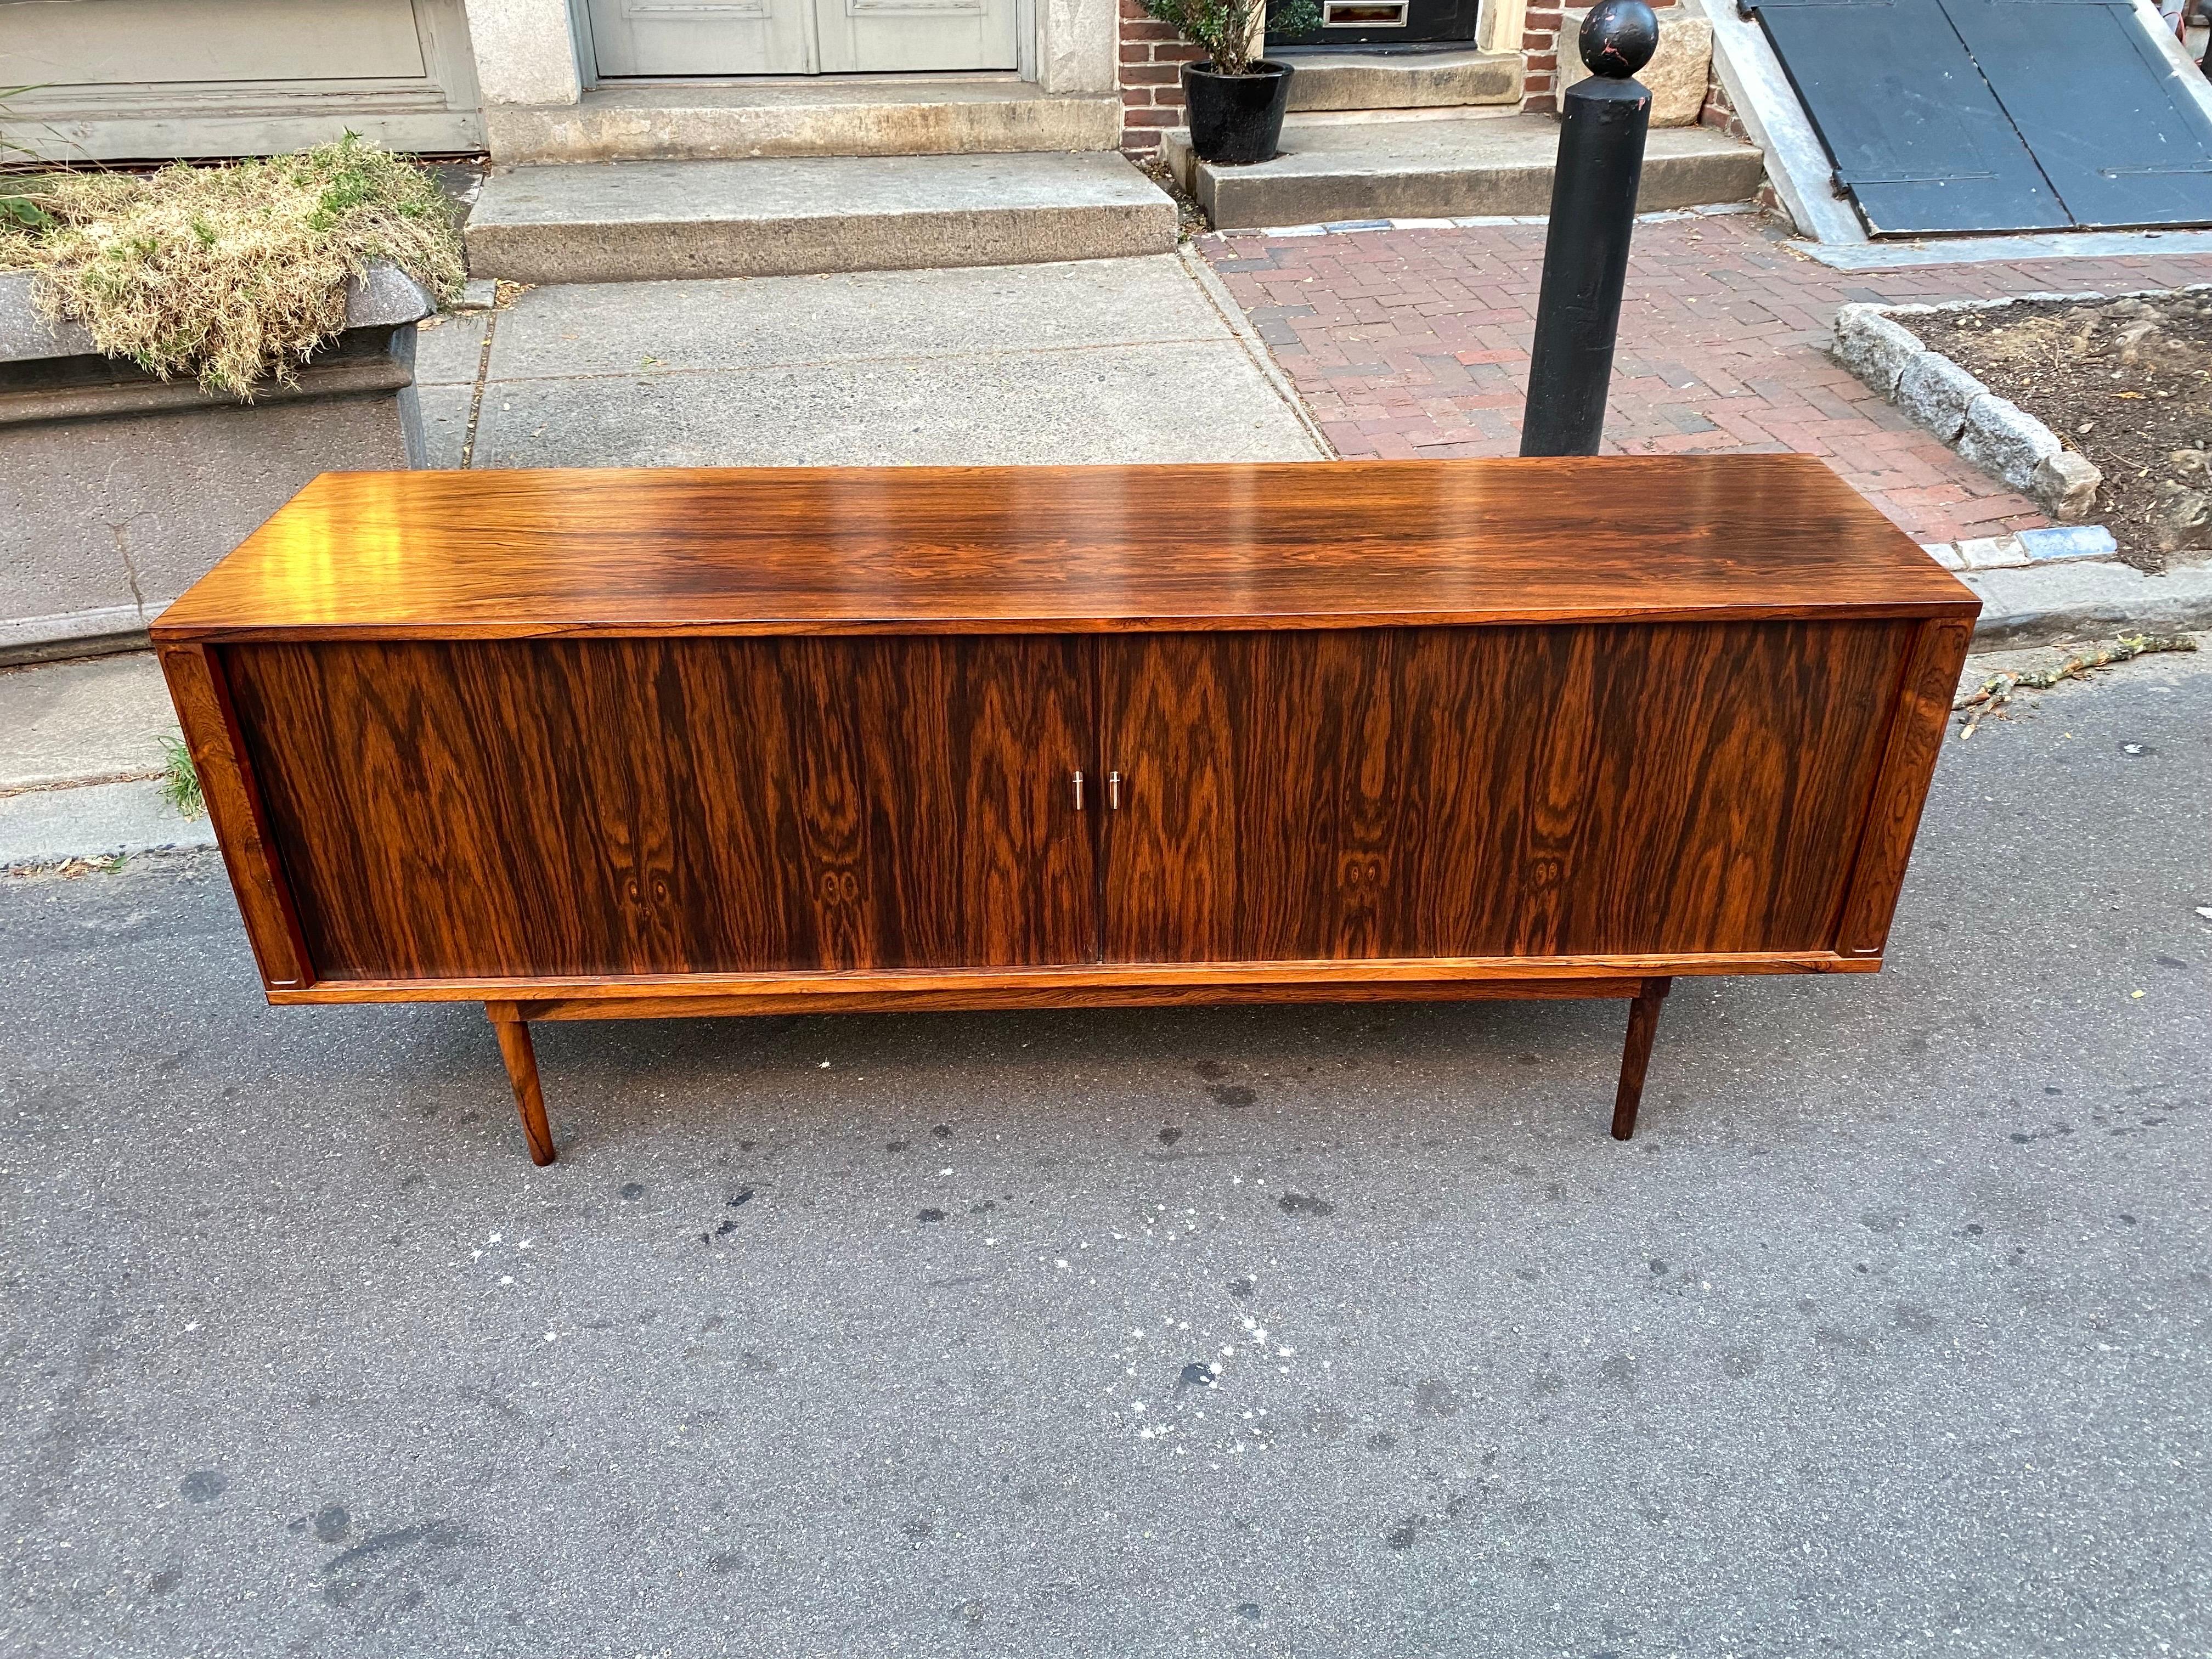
<point>1191,220</point>
<point>2127,382</point>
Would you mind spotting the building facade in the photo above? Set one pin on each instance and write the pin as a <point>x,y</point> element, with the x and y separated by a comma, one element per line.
<point>549,80</point>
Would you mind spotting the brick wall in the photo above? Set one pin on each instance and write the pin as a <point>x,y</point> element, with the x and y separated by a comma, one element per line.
<point>1540,40</point>
<point>1720,111</point>
<point>1152,55</point>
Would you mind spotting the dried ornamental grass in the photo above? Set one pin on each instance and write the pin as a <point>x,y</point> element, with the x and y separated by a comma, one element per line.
<point>233,274</point>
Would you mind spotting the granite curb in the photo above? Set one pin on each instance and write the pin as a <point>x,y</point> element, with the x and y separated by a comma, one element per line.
<point>1994,432</point>
<point>2038,586</point>
<point>2044,604</point>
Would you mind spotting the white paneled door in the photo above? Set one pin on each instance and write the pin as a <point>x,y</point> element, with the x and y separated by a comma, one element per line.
<point>666,37</point>
<point>92,79</point>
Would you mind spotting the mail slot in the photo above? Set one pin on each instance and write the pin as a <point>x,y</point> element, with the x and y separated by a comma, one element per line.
<point>1364,15</point>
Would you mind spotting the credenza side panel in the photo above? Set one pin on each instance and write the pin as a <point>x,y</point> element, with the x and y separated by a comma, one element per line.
<point>235,808</point>
<point>1472,792</point>
<point>615,807</point>
<point>1930,682</point>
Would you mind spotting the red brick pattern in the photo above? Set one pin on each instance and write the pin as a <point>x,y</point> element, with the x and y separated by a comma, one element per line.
<point>1541,42</point>
<point>1153,55</point>
<point>1415,342</point>
<point>1719,109</point>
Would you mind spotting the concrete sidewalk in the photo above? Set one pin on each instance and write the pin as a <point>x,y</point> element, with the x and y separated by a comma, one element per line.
<point>80,762</point>
<point>1104,360</point>
<point>829,1336</point>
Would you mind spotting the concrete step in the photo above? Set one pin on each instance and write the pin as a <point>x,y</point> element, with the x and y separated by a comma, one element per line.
<point>803,115</point>
<point>646,221</point>
<point>1332,169</point>
<point>1427,80</point>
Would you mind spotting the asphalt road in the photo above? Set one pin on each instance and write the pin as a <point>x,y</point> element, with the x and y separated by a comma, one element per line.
<point>1891,1335</point>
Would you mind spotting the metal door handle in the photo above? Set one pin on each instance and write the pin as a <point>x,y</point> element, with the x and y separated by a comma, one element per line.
<point>1076,783</point>
<point>1113,791</point>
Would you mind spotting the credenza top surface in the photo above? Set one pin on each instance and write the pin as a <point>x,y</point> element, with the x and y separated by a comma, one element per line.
<point>970,549</point>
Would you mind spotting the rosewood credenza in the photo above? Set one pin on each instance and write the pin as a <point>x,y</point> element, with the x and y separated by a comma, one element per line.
<point>585,744</point>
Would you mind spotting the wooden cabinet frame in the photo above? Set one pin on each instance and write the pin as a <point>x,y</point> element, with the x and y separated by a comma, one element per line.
<point>645,744</point>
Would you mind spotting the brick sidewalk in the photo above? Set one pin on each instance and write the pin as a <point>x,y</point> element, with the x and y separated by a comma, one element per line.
<point>1415,342</point>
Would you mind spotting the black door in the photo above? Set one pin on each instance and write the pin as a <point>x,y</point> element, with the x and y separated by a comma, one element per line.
<point>2095,100</point>
<point>1383,23</point>
<point>1993,115</point>
<point>1917,138</point>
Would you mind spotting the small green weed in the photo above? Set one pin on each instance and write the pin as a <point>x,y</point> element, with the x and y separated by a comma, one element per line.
<point>18,211</point>
<point>180,779</point>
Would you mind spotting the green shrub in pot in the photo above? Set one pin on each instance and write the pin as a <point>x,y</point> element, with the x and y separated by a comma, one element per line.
<point>1236,101</point>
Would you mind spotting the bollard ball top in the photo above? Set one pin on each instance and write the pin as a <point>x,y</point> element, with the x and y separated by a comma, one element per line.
<point>1618,38</point>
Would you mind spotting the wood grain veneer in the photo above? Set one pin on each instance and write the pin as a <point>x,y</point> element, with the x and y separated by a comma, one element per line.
<point>1504,792</point>
<point>1060,549</point>
<point>1930,682</point>
<point>235,809</point>
<point>647,743</point>
<point>527,809</point>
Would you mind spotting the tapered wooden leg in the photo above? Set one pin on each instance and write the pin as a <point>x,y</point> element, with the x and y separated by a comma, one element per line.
<point>1636,1056</point>
<point>522,1072</point>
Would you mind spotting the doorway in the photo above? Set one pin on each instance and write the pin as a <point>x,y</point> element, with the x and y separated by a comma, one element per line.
<point>671,38</point>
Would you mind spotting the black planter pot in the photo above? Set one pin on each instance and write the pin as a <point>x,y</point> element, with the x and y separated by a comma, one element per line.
<point>1236,118</point>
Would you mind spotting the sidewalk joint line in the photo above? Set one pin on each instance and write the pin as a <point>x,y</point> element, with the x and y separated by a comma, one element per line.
<point>1217,294</point>
<point>673,371</point>
<point>10,791</point>
<point>475,399</point>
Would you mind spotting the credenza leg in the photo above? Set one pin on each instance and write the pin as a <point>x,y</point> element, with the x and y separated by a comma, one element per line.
<point>1636,1056</point>
<point>522,1072</point>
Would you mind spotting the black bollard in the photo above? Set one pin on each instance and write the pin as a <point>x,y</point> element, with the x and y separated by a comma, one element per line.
<point>1586,248</point>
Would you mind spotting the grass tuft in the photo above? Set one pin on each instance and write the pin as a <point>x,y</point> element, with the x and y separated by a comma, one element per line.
<point>180,779</point>
<point>233,274</point>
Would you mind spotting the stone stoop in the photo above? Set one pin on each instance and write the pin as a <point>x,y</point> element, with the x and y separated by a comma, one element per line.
<point>648,221</point>
<point>803,115</point>
<point>1433,80</point>
<point>1470,164</point>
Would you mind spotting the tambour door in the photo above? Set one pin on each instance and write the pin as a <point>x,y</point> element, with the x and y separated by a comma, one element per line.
<point>1488,792</point>
<point>622,807</point>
